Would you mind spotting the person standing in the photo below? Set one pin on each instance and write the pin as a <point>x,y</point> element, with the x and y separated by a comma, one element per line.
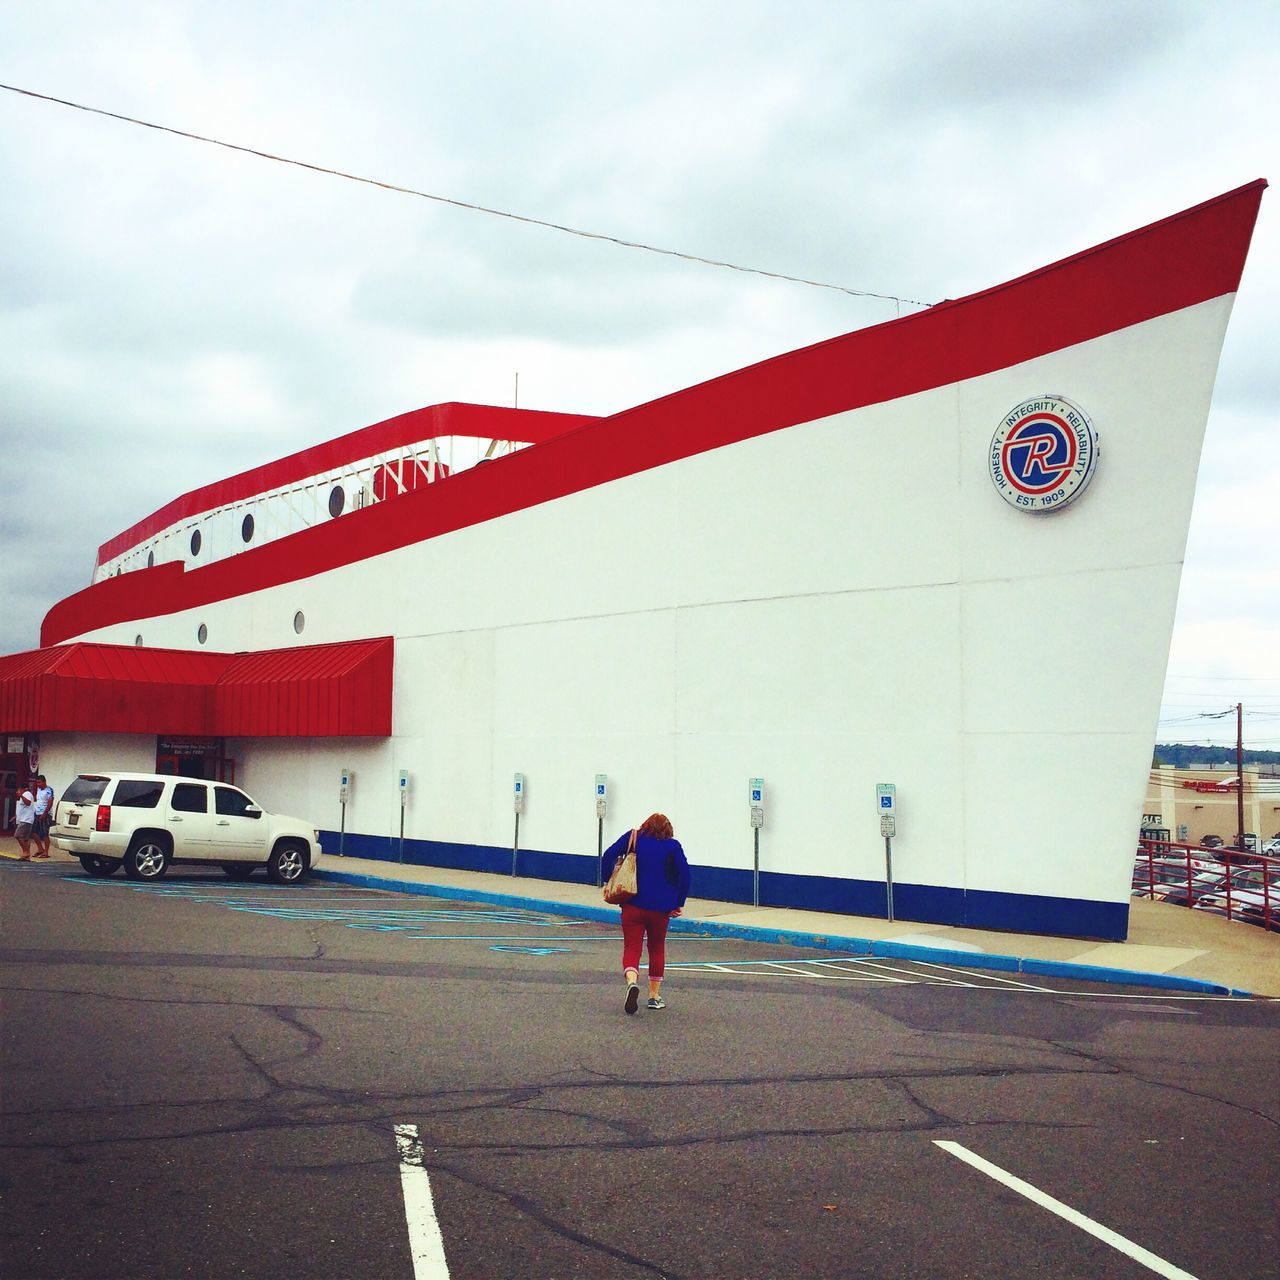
<point>662,886</point>
<point>44,816</point>
<point>26,816</point>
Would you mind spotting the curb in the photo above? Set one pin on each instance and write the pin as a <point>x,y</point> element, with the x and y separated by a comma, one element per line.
<point>815,941</point>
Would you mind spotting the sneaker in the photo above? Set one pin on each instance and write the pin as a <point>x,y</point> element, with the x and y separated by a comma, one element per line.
<point>633,998</point>
<point>657,1002</point>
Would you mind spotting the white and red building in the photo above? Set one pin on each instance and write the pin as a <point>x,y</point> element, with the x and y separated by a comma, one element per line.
<point>943,552</point>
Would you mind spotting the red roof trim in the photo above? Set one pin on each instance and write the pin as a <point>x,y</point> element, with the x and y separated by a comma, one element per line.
<point>1175,263</point>
<point>483,422</point>
<point>328,690</point>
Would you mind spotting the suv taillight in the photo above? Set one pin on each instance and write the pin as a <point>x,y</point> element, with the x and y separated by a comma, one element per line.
<point>104,818</point>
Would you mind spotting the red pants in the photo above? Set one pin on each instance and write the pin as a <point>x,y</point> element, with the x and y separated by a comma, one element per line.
<point>636,922</point>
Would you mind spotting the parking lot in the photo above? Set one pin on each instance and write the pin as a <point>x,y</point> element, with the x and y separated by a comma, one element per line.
<point>212,1079</point>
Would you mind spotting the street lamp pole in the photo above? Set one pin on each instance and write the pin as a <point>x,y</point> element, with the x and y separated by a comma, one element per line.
<point>1240,775</point>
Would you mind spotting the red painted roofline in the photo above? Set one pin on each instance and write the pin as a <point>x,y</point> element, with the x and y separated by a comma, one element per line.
<point>327,690</point>
<point>475,421</point>
<point>1175,263</point>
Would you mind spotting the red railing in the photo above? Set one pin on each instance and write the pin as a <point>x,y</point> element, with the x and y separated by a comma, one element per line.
<point>1237,883</point>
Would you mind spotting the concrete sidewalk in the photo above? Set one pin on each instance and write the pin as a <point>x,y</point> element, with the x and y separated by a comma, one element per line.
<point>1168,946</point>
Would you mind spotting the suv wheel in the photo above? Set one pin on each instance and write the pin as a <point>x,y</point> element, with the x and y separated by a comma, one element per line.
<point>101,867</point>
<point>147,859</point>
<point>287,864</point>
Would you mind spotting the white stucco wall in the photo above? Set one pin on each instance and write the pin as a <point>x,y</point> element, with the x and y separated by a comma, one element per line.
<point>65,755</point>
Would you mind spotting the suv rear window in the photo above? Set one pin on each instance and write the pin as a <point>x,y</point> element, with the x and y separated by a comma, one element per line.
<point>190,797</point>
<point>86,789</point>
<point>133,793</point>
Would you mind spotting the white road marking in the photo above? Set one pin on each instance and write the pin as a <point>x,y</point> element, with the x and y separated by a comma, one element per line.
<point>1077,1219</point>
<point>426,1244</point>
<point>916,974</point>
<point>856,969</point>
<point>779,968</point>
<point>987,975</point>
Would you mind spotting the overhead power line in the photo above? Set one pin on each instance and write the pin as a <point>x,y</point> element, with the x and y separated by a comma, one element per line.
<point>462,204</point>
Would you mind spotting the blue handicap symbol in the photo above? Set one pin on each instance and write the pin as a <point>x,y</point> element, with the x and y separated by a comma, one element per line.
<point>532,951</point>
<point>886,802</point>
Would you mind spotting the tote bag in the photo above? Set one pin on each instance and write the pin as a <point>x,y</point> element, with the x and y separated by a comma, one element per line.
<point>622,883</point>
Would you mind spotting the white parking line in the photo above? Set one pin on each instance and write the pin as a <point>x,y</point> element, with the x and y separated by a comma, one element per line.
<point>426,1244</point>
<point>784,969</point>
<point>986,975</point>
<point>939,980</point>
<point>1077,1219</point>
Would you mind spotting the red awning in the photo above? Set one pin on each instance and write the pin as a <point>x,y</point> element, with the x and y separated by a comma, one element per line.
<point>327,690</point>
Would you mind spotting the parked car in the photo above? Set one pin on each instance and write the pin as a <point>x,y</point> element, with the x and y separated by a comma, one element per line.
<point>1208,883</point>
<point>1152,876</point>
<point>145,822</point>
<point>1253,890</point>
<point>1260,916</point>
<point>1212,842</point>
<point>1271,848</point>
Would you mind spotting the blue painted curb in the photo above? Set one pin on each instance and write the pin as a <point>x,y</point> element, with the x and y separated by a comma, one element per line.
<point>814,941</point>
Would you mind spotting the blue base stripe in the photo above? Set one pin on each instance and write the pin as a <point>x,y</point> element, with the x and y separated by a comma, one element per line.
<point>920,903</point>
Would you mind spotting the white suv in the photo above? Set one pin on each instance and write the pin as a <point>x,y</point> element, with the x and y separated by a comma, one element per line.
<point>145,821</point>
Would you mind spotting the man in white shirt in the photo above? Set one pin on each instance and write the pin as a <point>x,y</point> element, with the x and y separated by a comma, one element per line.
<point>26,819</point>
<point>44,815</point>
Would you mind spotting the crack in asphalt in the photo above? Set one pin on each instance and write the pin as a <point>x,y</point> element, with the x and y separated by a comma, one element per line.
<point>180,1000</point>
<point>269,1114</point>
<point>354,1097</point>
<point>1119,1066</point>
<point>531,1209</point>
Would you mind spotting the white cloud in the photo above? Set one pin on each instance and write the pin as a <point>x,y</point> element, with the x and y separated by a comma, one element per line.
<point>167,300</point>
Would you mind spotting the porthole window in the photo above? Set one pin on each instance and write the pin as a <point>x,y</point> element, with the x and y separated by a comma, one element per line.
<point>137,642</point>
<point>337,500</point>
<point>195,542</point>
<point>299,621</point>
<point>151,559</point>
<point>203,633</point>
<point>246,529</point>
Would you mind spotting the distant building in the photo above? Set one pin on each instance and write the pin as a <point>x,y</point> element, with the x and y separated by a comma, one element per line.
<point>1193,803</point>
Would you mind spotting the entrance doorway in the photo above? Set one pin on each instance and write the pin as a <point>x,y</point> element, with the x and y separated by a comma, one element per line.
<point>13,777</point>
<point>195,758</point>
<point>19,758</point>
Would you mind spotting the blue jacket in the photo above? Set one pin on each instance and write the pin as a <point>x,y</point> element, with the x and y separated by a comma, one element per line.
<point>662,871</point>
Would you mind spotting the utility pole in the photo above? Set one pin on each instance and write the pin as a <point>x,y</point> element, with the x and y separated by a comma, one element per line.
<point>1240,775</point>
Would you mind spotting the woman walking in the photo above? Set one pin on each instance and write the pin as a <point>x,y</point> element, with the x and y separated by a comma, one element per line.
<point>662,885</point>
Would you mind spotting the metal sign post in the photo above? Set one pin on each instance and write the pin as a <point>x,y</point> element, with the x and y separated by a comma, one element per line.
<point>602,801</point>
<point>886,806</point>
<point>518,799</point>
<point>756,799</point>
<point>344,793</point>
<point>404,796</point>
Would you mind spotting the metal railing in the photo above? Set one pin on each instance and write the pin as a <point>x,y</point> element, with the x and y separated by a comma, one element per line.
<point>1236,883</point>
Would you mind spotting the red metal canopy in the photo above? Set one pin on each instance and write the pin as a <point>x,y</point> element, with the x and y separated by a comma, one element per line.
<point>328,690</point>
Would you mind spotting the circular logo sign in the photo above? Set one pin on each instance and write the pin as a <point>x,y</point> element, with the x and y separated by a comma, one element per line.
<point>1043,454</point>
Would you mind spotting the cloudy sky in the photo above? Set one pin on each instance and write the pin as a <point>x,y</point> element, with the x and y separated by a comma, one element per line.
<point>173,312</point>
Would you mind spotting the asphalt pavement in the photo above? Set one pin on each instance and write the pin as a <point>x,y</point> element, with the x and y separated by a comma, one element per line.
<point>208,1078</point>
<point>1168,947</point>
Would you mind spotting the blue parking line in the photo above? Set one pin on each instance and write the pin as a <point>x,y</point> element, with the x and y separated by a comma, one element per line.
<point>381,916</point>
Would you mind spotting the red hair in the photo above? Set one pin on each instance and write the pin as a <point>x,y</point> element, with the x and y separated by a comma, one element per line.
<point>657,825</point>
